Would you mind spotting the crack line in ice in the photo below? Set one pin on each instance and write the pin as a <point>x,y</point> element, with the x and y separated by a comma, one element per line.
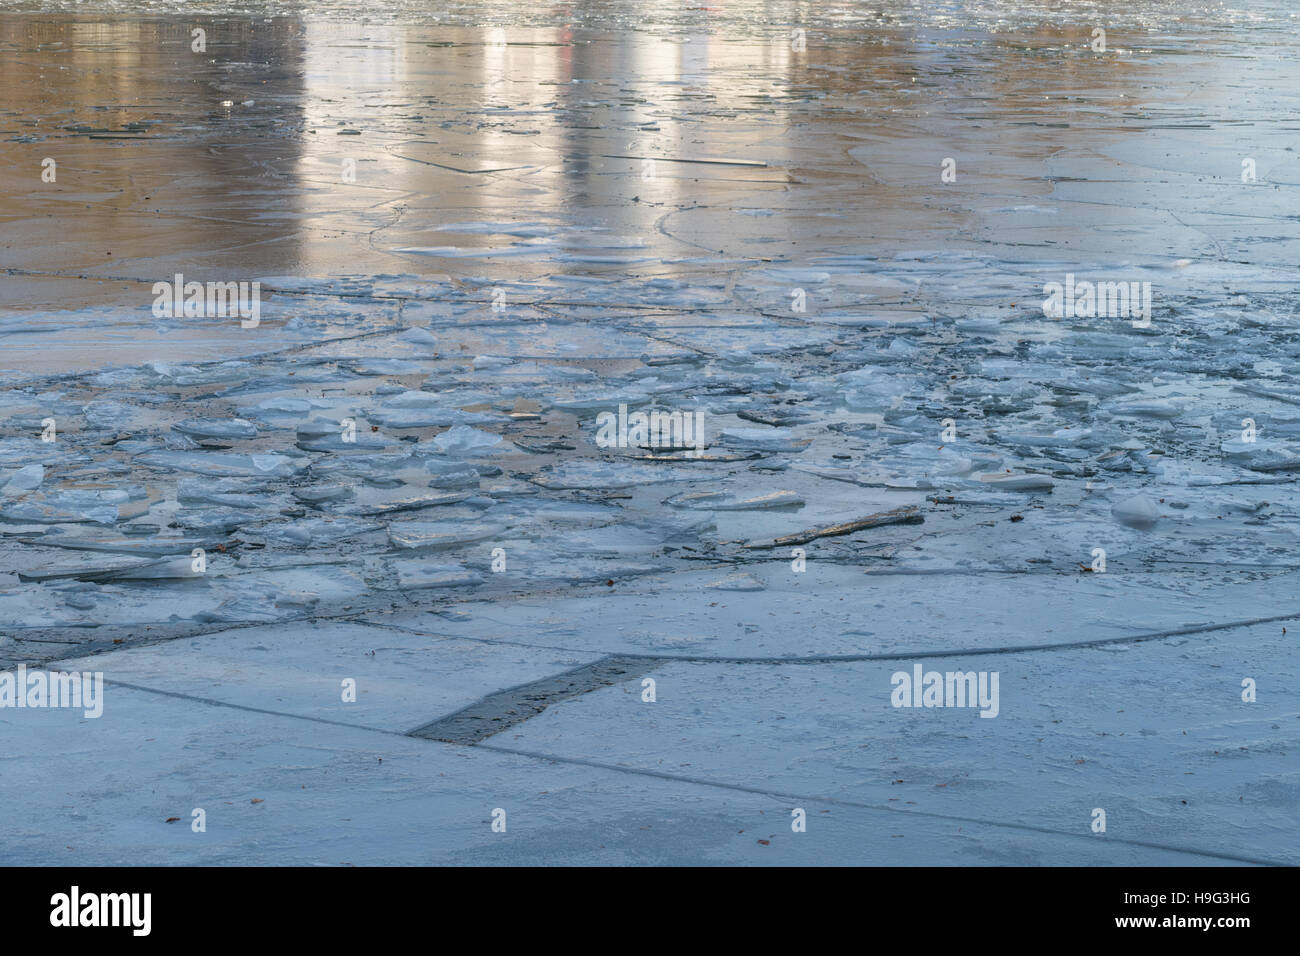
<point>858,658</point>
<point>704,782</point>
<point>835,801</point>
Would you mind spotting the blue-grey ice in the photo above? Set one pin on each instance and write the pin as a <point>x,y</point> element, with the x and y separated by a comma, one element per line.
<point>715,344</point>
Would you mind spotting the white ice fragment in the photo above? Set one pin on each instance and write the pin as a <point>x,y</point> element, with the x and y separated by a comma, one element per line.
<point>430,417</point>
<point>379,366</point>
<point>212,463</point>
<point>271,464</point>
<point>319,493</point>
<point>1150,408</point>
<point>413,399</point>
<point>417,575</point>
<point>1018,482</point>
<point>165,569</point>
<point>214,520</point>
<point>230,492</point>
<point>418,336</point>
<point>909,484</point>
<point>313,532</point>
<point>721,501</point>
<point>436,535</point>
<point>464,440</point>
<point>1060,438</point>
<point>1137,512</point>
<point>285,406</point>
<point>794,274</point>
<point>216,428</point>
<point>26,478</point>
<point>603,476</point>
<point>764,439</point>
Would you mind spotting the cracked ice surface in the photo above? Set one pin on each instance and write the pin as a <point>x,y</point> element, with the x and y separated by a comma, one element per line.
<point>397,475</point>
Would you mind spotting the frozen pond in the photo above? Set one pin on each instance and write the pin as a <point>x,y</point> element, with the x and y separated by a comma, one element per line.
<point>759,332</point>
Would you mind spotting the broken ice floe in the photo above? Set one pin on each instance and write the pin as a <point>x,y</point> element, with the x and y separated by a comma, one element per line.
<point>721,501</point>
<point>444,431</point>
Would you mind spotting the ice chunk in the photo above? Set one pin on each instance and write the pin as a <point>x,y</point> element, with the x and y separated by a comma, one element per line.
<point>431,417</point>
<point>437,535</point>
<point>164,569</point>
<point>1018,482</point>
<point>283,406</point>
<point>452,474</point>
<point>317,494</point>
<point>764,439</point>
<point>720,501</point>
<point>306,532</point>
<point>230,492</point>
<point>38,512</point>
<point>599,475</point>
<point>216,428</point>
<point>416,575</point>
<point>216,463</point>
<point>89,539</point>
<point>1149,408</point>
<point>464,440</point>
<point>26,478</point>
<point>416,504</point>
<point>418,336</point>
<point>1136,512</point>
